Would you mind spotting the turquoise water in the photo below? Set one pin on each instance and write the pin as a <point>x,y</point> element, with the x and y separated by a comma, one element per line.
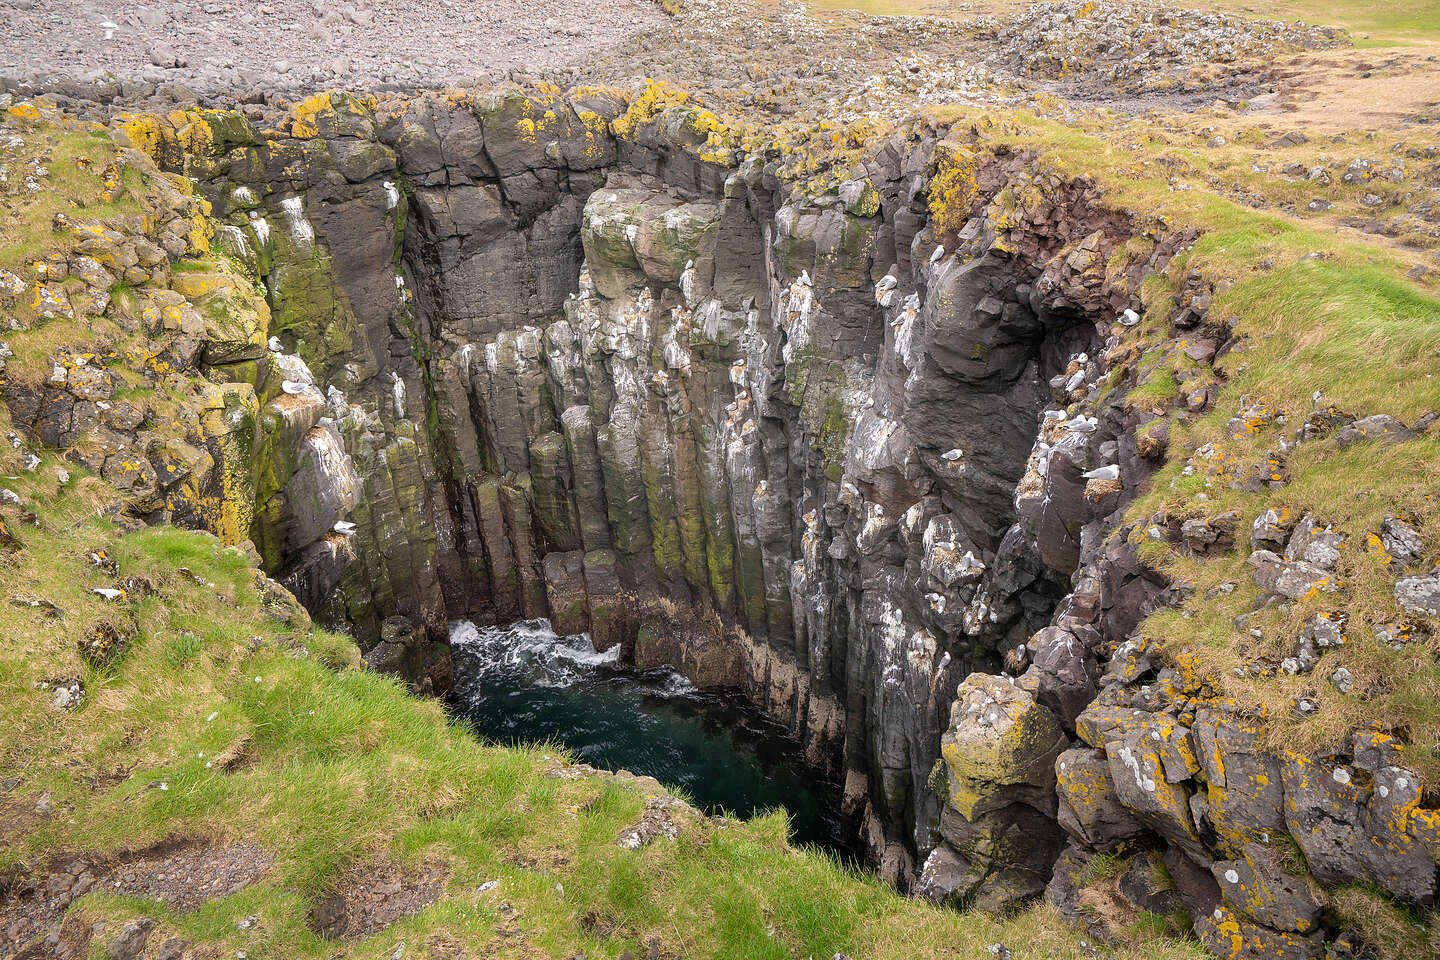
<point>523,683</point>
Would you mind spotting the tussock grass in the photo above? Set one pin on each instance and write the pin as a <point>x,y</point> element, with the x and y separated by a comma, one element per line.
<point>1394,933</point>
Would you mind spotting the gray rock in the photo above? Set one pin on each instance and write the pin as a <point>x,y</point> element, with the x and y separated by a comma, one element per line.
<point>131,941</point>
<point>1401,541</point>
<point>1316,543</point>
<point>164,55</point>
<point>1349,832</point>
<point>1271,530</point>
<point>1228,934</point>
<point>1258,886</point>
<point>1419,595</point>
<point>1090,811</point>
<point>1378,427</point>
<point>1147,886</point>
<point>1290,578</point>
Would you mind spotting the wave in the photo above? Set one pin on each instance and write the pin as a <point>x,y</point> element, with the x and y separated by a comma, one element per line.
<point>532,650</point>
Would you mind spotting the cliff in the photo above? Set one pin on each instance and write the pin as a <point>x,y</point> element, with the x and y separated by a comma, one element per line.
<point>844,418</point>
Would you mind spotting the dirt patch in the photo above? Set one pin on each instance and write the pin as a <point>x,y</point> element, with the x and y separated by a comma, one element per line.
<point>183,873</point>
<point>17,818</point>
<point>190,875</point>
<point>1341,90</point>
<point>372,898</point>
<point>70,941</point>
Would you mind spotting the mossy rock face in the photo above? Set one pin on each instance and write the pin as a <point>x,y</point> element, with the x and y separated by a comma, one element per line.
<point>228,129</point>
<point>361,160</point>
<point>308,303</point>
<point>999,742</point>
<point>627,230</point>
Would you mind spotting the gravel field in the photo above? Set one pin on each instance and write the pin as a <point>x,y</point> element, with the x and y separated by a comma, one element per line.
<point>210,45</point>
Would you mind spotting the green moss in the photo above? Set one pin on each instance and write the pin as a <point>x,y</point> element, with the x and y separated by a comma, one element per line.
<point>833,438</point>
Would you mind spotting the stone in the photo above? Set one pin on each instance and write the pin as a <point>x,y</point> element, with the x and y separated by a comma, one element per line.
<point>1063,674</point>
<point>1089,809</point>
<point>1401,541</point>
<point>130,942</point>
<point>1349,833</point>
<point>1259,886</point>
<point>1419,595</point>
<point>172,949</point>
<point>1147,886</point>
<point>164,55</point>
<point>998,763</point>
<point>1243,792</point>
<point>1193,882</point>
<point>1316,543</point>
<point>1233,937</point>
<point>1000,747</point>
<point>565,590</point>
<point>1138,772</point>
<point>1295,579</point>
<point>1378,427</point>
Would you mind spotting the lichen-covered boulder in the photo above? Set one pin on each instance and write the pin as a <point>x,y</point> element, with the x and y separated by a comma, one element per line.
<point>1259,885</point>
<point>1232,937</point>
<point>1356,824</point>
<point>997,773</point>
<point>1090,811</point>
<point>1000,747</point>
<point>1138,772</point>
<point>1242,777</point>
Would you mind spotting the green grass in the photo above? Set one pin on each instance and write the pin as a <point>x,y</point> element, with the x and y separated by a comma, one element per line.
<point>32,234</point>
<point>1387,22</point>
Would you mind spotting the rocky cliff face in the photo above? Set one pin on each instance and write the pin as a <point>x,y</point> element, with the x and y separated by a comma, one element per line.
<point>842,449</point>
<point>772,440</point>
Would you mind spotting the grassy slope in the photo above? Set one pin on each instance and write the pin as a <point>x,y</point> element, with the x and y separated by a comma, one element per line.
<point>341,767</point>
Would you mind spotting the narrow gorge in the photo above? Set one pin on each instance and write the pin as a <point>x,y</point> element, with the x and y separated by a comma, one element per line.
<point>839,451</point>
<point>776,443</point>
<point>871,429</point>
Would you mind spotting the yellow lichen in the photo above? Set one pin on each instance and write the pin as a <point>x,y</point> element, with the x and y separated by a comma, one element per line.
<point>143,130</point>
<point>657,97</point>
<point>308,112</point>
<point>954,189</point>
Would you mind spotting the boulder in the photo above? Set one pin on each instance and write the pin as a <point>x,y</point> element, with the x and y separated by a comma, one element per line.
<point>1350,831</point>
<point>1295,579</point>
<point>565,589</point>
<point>1147,886</point>
<point>1378,427</point>
<point>1089,809</point>
<point>1243,794</point>
<point>1260,886</point>
<point>1232,937</point>
<point>1419,595</point>
<point>1000,748</point>
<point>1063,674</point>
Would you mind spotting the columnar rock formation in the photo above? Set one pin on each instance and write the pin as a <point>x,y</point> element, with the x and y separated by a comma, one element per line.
<point>771,440</point>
